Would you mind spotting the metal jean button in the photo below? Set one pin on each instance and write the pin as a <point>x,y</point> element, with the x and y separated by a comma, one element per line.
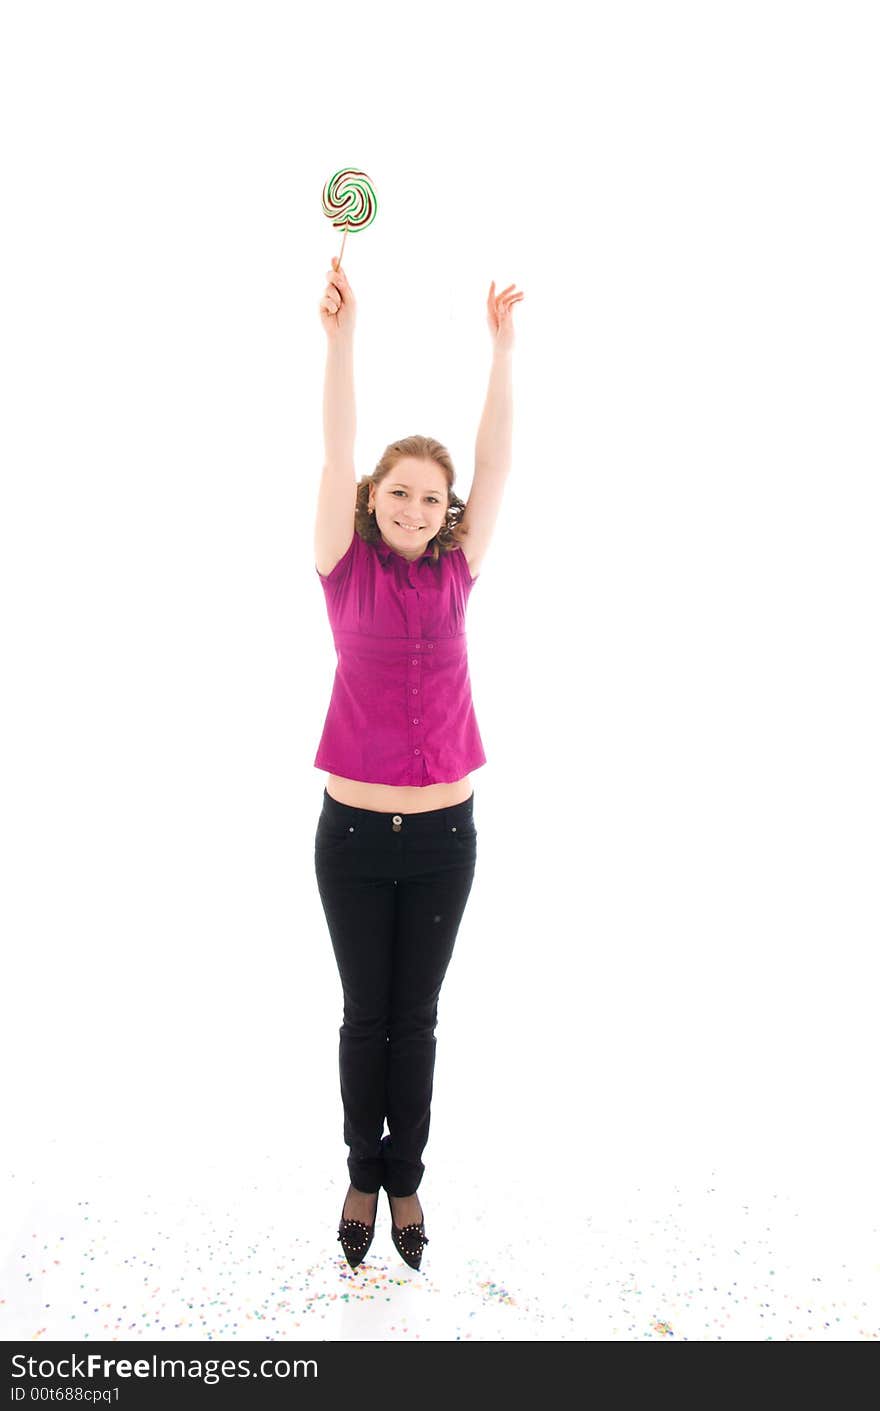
<point>396,822</point>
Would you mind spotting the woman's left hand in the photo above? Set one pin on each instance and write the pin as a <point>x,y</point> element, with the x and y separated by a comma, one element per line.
<point>501,315</point>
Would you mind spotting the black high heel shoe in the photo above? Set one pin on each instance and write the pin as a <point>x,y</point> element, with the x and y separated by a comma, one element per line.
<point>409,1240</point>
<point>355,1236</point>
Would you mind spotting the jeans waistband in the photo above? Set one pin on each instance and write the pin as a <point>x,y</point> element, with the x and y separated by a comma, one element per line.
<point>426,822</point>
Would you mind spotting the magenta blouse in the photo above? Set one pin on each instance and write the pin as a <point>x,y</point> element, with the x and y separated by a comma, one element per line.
<point>401,710</point>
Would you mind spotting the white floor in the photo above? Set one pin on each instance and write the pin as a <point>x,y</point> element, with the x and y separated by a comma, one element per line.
<point>98,1247</point>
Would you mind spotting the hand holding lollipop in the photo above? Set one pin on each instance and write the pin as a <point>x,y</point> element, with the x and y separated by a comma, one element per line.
<point>338,307</point>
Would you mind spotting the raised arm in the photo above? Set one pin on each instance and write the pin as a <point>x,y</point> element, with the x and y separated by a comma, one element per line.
<point>334,520</point>
<point>494,449</point>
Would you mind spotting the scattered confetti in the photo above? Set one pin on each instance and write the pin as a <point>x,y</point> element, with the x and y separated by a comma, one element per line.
<point>206,1252</point>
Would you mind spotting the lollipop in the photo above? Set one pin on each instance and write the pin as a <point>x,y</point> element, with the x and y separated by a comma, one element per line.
<point>350,202</point>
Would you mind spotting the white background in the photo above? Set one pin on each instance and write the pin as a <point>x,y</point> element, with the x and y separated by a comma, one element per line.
<point>669,958</point>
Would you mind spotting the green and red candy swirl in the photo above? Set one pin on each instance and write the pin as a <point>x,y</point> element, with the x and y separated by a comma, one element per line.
<point>350,201</point>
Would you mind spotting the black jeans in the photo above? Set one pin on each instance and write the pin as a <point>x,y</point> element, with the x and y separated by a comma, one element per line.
<point>394,888</point>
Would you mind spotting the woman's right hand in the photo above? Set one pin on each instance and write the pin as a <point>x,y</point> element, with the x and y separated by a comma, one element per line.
<point>338,307</point>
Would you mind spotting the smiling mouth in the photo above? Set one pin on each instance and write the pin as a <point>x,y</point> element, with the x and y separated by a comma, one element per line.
<point>410,529</point>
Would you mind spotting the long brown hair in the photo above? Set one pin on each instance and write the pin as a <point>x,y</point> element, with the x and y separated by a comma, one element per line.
<point>423,448</point>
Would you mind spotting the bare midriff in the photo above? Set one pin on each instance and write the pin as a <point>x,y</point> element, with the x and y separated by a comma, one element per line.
<point>390,798</point>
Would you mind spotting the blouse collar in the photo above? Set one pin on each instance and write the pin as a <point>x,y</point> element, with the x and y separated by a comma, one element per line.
<point>386,554</point>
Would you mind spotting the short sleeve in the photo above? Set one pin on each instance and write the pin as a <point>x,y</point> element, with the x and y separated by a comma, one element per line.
<point>463,567</point>
<point>342,568</point>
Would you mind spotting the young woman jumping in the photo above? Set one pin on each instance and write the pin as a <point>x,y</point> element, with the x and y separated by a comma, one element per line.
<point>397,554</point>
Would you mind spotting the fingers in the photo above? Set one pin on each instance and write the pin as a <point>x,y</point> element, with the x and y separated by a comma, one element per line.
<point>338,289</point>
<point>338,296</point>
<point>505,296</point>
<point>501,304</point>
<point>337,275</point>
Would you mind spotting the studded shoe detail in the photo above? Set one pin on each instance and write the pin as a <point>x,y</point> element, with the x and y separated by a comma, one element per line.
<point>356,1237</point>
<point>409,1240</point>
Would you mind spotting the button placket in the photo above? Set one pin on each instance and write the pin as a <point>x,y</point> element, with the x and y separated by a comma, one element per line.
<point>414,683</point>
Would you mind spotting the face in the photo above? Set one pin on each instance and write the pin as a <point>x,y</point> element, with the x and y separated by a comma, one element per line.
<point>413,493</point>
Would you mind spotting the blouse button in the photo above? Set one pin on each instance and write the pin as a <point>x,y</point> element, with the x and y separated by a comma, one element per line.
<point>415,661</point>
<point>417,752</point>
<point>430,646</point>
<point>415,720</point>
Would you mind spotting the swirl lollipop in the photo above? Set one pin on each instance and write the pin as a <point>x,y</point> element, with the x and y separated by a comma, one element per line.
<point>350,202</point>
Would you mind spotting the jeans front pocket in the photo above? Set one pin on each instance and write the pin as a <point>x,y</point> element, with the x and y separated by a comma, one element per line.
<point>332,835</point>
<point>465,834</point>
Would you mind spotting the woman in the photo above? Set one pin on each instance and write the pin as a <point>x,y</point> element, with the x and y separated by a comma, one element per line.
<point>395,849</point>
